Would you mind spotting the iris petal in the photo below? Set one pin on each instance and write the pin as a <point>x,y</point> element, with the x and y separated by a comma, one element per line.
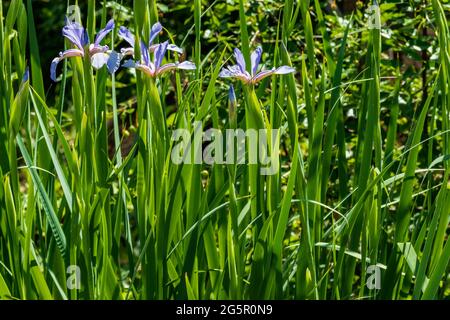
<point>93,49</point>
<point>113,62</point>
<point>53,68</point>
<point>98,60</point>
<point>266,73</point>
<point>126,35</point>
<point>262,75</point>
<point>160,51</point>
<point>75,33</point>
<point>284,70</point>
<point>256,58</point>
<point>63,55</point>
<point>186,65</point>
<point>104,32</point>
<point>167,67</point>
<point>235,72</point>
<point>240,59</point>
<point>170,47</point>
<point>225,73</point>
<point>145,53</point>
<point>148,70</point>
<point>235,69</point>
<point>156,29</point>
<point>174,48</point>
<point>85,38</point>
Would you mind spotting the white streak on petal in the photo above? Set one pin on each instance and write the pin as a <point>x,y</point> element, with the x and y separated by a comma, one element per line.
<point>186,65</point>
<point>174,48</point>
<point>98,60</point>
<point>284,70</point>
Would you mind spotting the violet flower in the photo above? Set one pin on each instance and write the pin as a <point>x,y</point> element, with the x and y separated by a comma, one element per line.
<point>240,72</point>
<point>78,36</point>
<point>126,35</point>
<point>154,68</point>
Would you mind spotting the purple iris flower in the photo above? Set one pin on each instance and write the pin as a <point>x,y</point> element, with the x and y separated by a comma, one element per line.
<point>126,35</point>
<point>78,36</point>
<point>240,72</point>
<point>154,68</point>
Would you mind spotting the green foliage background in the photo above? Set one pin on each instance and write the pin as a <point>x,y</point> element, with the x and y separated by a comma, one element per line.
<point>363,166</point>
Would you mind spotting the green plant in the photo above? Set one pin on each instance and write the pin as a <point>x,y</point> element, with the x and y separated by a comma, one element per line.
<point>360,185</point>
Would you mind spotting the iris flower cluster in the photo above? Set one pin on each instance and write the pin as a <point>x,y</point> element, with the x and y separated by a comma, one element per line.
<point>101,55</point>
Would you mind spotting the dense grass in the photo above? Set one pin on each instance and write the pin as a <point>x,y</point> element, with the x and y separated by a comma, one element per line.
<point>343,206</point>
